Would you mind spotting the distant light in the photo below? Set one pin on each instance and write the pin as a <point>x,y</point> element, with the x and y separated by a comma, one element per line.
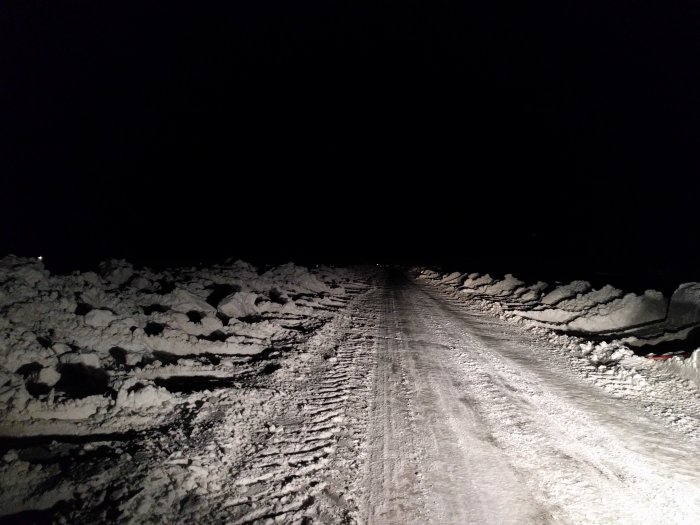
<point>41,258</point>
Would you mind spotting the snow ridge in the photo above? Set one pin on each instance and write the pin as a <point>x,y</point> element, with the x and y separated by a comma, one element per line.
<point>608,328</point>
<point>160,395</point>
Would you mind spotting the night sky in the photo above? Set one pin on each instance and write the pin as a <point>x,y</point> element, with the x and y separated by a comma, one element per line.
<point>549,138</point>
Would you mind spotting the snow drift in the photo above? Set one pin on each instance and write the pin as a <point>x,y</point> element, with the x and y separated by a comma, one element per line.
<point>684,309</point>
<point>647,322</point>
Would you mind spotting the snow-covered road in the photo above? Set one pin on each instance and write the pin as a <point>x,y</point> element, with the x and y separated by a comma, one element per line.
<point>357,396</point>
<point>473,421</point>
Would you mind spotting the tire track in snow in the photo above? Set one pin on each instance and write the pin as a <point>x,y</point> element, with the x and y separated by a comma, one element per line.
<point>469,426</point>
<point>302,469</point>
<point>429,459</point>
<point>639,455</point>
<point>577,441</point>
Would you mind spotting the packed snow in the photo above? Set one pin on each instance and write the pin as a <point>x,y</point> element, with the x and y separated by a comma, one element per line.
<point>479,416</point>
<point>236,394</point>
<point>598,319</point>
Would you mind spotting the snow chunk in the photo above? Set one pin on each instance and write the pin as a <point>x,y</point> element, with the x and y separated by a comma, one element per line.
<point>239,304</point>
<point>48,376</point>
<point>506,286</point>
<point>295,278</point>
<point>631,310</point>
<point>183,301</point>
<point>116,271</point>
<point>534,291</point>
<point>70,409</point>
<point>583,302</point>
<point>454,278</point>
<point>684,309</point>
<point>566,291</point>
<point>99,318</point>
<point>206,324</point>
<point>569,309</point>
<point>605,353</point>
<point>243,268</point>
<point>81,358</point>
<point>472,283</point>
<point>685,368</point>
<point>29,271</point>
<point>550,315</point>
<point>429,274</point>
<point>138,393</point>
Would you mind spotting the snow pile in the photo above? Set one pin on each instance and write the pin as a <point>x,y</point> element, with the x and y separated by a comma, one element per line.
<point>583,302</point>
<point>454,278</point>
<point>103,352</point>
<point>604,353</point>
<point>133,394</point>
<point>508,288</point>
<point>533,292</point>
<point>625,323</point>
<point>600,311</point>
<point>571,307</point>
<point>565,292</point>
<point>685,368</point>
<point>475,282</point>
<point>679,333</point>
<point>629,311</point>
<point>425,273</point>
<point>504,287</point>
<point>684,309</point>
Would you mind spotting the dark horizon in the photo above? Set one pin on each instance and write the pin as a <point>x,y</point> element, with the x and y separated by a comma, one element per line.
<point>637,279</point>
<point>553,140</point>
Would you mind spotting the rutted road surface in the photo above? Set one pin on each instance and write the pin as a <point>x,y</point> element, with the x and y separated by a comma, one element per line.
<point>400,404</point>
<point>473,421</point>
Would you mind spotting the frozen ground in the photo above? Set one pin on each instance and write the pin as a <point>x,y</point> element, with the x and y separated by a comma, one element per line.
<point>338,396</point>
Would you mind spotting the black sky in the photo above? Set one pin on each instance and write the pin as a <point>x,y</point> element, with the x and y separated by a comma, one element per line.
<point>501,135</point>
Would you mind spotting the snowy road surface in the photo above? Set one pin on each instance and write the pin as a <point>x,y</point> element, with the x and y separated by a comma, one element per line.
<point>471,422</point>
<point>366,397</point>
